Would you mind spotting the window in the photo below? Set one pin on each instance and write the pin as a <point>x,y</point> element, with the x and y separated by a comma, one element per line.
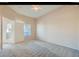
<point>8,30</point>
<point>27,29</point>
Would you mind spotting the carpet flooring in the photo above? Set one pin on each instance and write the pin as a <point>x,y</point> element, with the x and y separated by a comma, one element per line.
<point>37,48</point>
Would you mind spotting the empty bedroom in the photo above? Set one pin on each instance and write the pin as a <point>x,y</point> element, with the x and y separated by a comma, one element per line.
<point>39,30</point>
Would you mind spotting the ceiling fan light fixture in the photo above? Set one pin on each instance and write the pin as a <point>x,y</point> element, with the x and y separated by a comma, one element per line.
<point>36,7</point>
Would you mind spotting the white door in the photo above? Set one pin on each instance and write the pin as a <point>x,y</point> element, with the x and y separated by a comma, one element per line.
<point>8,31</point>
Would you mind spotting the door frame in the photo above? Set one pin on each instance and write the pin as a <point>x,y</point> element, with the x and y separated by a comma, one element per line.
<point>1,32</point>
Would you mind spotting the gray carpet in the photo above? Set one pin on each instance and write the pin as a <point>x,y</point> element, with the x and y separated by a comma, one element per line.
<point>38,49</point>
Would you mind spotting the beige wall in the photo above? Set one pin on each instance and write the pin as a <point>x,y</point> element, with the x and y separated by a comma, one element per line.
<point>11,14</point>
<point>19,31</point>
<point>60,27</point>
<point>7,12</point>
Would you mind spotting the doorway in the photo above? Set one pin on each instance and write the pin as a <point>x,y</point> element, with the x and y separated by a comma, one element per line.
<point>11,32</point>
<point>8,32</point>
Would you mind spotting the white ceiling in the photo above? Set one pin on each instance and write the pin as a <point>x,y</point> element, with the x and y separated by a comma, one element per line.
<point>27,9</point>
